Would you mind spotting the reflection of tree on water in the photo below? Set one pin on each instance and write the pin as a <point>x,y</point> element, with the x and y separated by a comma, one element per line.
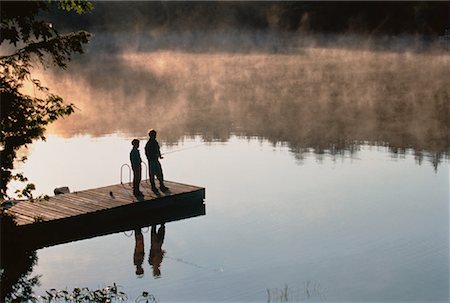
<point>326,100</point>
<point>17,261</point>
<point>156,252</point>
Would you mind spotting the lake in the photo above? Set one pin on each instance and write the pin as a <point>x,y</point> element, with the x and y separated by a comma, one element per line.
<point>367,226</point>
<point>326,173</point>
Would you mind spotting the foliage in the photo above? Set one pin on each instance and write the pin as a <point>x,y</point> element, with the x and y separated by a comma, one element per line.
<point>327,17</point>
<point>82,295</point>
<point>107,294</point>
<point>24,118</point>
<point>16,264</point>
<point>23,289</point>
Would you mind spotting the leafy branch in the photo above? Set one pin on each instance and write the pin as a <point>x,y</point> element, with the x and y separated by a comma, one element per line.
<point>24,118</point>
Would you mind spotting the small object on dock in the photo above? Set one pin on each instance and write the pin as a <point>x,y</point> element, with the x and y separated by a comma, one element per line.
<point>111,194</point>
<point>61,190</point>
<point>8,204</point>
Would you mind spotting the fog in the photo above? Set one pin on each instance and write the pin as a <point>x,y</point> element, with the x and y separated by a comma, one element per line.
<point>325,93</point>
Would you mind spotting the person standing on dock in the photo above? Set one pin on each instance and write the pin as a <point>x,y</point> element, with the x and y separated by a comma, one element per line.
<point>153,155</point>
<point>135,158</point>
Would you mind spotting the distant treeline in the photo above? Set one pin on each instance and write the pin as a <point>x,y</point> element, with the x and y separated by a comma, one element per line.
<point>376,18</point>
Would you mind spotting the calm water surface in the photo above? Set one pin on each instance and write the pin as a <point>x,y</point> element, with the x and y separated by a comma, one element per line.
<point>366,226</point>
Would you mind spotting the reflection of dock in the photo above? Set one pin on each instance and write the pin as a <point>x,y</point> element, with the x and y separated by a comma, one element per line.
<point>99,211</point>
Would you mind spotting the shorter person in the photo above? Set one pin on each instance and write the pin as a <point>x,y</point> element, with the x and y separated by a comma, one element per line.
<point>153,155</point>
<point>135,158</point>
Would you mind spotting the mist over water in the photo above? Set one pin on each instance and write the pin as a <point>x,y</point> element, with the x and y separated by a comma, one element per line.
<point>300,90</point>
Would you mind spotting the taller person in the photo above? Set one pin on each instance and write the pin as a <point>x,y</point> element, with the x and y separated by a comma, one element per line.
<point>153,155</point>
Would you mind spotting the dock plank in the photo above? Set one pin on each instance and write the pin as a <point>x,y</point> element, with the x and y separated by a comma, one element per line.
<point>48,208</point>
<point>71,203</point>
<point>31,213</point>
<point>84,198</point>
<point>23,220</point>
<point>103,201</point>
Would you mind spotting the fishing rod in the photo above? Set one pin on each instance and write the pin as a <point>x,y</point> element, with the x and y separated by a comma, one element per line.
<point>182,149</point>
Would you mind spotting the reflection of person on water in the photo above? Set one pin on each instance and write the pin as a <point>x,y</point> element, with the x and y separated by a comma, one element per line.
<point>153,155</point>
<point>138,257</point>
<point>156,251</point>
<point>135,158</point>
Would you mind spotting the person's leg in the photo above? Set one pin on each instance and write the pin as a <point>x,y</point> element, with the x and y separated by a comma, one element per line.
<point>151,167</point>
<point>136,180</point>
<point>139,178</point>
<point>159,174</point>
<point>161,233</point>
<point>160,177</point>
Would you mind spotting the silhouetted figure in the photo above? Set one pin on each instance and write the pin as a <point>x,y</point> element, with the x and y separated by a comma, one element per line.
<point>153,155</point>
<point>156,251</point>
<point>135,158</point>
<point>138,257</point>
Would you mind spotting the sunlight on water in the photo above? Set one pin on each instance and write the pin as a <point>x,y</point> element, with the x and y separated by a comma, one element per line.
<point>365,226</point>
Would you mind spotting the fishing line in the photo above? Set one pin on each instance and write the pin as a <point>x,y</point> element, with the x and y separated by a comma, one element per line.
<point>180,260</point>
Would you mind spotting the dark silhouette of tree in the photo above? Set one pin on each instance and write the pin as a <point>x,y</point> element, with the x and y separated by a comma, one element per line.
<point>35,42</point>
<point>16,264</point>
<point>364,17</point>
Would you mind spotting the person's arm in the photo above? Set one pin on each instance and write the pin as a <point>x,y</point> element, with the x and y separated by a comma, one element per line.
<point>131,159</point>
<point>146,150</point>
<point>159,152</point>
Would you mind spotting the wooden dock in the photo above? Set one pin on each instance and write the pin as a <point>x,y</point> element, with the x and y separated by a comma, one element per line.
<point>98,211</point>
